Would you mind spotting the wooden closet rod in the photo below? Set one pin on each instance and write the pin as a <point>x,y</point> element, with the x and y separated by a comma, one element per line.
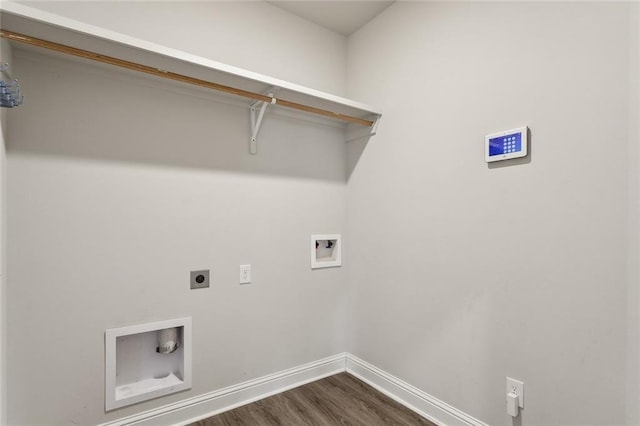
<point>21,38</point>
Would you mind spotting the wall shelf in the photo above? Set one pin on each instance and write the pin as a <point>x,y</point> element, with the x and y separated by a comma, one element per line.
<point>25,25</point>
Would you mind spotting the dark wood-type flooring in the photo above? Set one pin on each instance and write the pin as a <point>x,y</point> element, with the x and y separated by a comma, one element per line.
<point>337,400</point>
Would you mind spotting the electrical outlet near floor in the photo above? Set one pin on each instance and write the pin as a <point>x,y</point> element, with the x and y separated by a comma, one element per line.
<point>245,274</point>
<point>517,387</point>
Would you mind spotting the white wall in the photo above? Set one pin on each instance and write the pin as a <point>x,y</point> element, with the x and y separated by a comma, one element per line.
<point>5,57</point>
<point>429,303</point>
<point>118,187</point>
<point>464,273</point>
<point>633,357</point>
<point>248,34</point>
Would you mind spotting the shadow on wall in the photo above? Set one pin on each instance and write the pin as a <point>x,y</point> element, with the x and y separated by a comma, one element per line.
<point>76,109</point>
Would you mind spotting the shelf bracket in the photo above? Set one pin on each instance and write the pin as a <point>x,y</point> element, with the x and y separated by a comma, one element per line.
<point>256,120</point>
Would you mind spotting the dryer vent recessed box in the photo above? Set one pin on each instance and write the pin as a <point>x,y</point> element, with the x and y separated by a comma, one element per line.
<point>505,145</point>
<point>145,361</point>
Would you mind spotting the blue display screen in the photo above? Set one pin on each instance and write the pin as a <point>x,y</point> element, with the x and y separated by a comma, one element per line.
<point>505,144</point>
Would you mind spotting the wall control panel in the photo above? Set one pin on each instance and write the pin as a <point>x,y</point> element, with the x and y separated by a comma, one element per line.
<point>506,145</point>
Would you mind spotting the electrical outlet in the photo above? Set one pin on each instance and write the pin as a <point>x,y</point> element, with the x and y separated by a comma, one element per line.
<point>245,274</point>
<point>517,387</point>
<point>199,279</point>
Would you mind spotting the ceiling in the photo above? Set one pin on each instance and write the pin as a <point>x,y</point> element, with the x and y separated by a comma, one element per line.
<point>342,17</point>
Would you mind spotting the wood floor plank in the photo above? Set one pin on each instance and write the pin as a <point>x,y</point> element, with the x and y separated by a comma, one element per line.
<point>339,400</point>
<point>347,404</point>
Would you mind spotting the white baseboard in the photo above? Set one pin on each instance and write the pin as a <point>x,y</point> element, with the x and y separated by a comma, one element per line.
<point>411,397</point>
<point>209,404</point>
<point>212,403</point>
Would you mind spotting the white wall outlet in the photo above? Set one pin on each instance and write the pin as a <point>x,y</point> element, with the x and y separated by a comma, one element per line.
<point>245,274</point>
<point>517,387</point>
